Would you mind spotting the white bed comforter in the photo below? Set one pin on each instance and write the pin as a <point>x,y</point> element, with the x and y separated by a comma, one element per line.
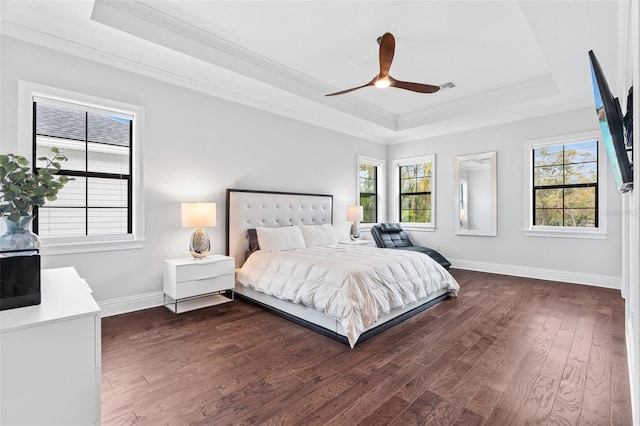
<point>354,285</point>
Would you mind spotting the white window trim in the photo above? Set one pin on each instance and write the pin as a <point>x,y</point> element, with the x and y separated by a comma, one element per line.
<point>414,226</point>
<point>380,190</point>
<point>67,245</point>
<point>566,232</point>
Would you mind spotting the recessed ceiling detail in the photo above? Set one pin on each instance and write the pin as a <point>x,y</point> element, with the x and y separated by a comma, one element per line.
<point>506,59</point>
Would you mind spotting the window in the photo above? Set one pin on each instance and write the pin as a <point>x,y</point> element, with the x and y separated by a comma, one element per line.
<point>368,192</point>
<point>415,185</point>
<point>98,147</point>
<point>565,185</point>
<point>101,208</point>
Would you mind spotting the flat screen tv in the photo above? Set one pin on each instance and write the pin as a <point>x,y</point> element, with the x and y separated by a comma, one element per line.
<point>616,129</point>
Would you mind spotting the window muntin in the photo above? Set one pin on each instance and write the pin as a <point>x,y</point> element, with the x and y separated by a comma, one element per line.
<point>368,189</point>
<point>565,184</point>
<point>99,146</point>
<point>415,186</point>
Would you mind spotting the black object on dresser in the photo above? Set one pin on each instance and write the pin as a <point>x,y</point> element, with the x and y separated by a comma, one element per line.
<point>19,279</point>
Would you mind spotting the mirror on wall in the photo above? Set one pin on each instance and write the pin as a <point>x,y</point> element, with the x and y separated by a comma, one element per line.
<point>476,194</point>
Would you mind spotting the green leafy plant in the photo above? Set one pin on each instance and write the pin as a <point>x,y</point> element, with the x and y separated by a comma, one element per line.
<point>22,188</point>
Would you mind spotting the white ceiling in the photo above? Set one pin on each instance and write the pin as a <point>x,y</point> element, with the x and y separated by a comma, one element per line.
<point>508,59</point>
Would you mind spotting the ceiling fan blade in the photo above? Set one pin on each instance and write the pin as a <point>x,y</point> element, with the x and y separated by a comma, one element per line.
<point>414,87</point>
<point>342,92</point>
<point>387,49</point>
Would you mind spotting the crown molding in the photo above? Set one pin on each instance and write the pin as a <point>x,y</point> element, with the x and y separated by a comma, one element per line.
<point>75,48</point>
<point>151,24</point>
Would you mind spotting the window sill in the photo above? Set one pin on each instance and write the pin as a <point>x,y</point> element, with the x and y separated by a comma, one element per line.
<point>52,249</point>
<point>566,233</point>
<point>412,226</point>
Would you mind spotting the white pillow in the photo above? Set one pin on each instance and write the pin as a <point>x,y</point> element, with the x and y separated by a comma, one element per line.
<point>318,235</point>
<point>280,239</point>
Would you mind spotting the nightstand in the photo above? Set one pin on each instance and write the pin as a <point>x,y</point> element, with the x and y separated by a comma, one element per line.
<point>359,243</point>
<point>197,283</point>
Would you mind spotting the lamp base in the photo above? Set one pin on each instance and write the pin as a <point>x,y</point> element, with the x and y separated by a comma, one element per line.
<point>200,245</point>
<point>354,234</point>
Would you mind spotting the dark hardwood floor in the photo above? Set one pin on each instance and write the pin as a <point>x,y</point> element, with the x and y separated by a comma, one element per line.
<point>508,351</point>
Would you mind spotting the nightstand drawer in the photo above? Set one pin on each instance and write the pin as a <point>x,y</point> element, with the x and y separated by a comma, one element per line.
<point>203,286</point>
<point>198,271</point>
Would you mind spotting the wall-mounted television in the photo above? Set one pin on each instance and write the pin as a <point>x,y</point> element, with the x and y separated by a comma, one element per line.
<point>616,128</point>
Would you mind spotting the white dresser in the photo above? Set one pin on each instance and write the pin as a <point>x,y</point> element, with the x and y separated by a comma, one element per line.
<point>50,356</point>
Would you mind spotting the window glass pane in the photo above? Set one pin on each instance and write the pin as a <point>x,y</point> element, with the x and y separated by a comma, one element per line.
<point>107,221</point>
<point>73,194</point>
<point>55,222</point>
<point>108,129</point>
<point>424,184</point>
<point>581,173</point>
<point>368,204</point>
<point>551,175</point>
<point>549,198</point>
<point>107,193</point>
<point>580,217</point>
<point>108,158</point>
<point>547,156</point>
<point>548,217</point>
<point>60,122</point>
<point>408,185</point>
<point>73,150</point>
<point>580,198</point>
<point>581,152</point>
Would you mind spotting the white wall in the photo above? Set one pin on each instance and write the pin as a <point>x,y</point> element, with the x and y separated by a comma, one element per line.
<point>575,260</point>
<point>195,147</point>
<point>631,248</point>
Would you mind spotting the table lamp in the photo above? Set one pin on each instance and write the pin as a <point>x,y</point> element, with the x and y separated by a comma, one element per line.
<point>355,214</point>
<point>199,216</point>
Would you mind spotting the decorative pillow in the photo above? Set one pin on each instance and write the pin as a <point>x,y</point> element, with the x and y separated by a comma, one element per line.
<point>318,235</point>
<point>280,239</point>
<point>253,240</point>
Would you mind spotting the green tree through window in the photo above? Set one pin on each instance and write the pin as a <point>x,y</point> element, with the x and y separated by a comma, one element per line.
<point>565,185</point>
<point>415,192</point>
<point>369,192</point>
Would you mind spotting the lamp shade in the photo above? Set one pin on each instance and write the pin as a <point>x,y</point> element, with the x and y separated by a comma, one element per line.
<point>354,213</point>
<point>198,215</point>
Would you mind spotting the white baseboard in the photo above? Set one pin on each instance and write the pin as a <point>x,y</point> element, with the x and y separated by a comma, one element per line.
<point>124,305</point>
<point>130,304</point>
<point>539,273</point>
<point>631,357</point>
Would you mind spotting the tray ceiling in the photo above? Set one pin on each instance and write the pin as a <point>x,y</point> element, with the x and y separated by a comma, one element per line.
<point>508,59</point>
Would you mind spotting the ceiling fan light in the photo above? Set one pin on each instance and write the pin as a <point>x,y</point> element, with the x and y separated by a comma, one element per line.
<point>382,83</point>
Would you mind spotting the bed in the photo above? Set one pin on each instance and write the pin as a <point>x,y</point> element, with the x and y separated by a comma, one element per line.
<point>346,292</point>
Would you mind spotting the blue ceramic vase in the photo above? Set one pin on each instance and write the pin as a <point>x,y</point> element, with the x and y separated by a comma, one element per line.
<point>18,236</point>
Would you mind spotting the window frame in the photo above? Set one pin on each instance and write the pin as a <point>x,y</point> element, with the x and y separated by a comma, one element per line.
<point>79,244</point>
<point>423,226</point>
<point>380,186</point>
<point>530,229</point>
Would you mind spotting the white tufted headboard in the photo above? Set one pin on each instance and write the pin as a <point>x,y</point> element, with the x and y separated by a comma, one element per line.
<point>248,209</point>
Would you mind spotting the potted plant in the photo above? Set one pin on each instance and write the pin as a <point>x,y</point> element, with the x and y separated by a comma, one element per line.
<point>22,189</point>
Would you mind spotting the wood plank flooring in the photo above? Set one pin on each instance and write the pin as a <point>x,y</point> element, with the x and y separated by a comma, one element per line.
<point>507,351</point>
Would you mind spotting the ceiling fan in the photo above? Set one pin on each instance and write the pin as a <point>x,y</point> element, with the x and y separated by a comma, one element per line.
<point>387,47</point>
